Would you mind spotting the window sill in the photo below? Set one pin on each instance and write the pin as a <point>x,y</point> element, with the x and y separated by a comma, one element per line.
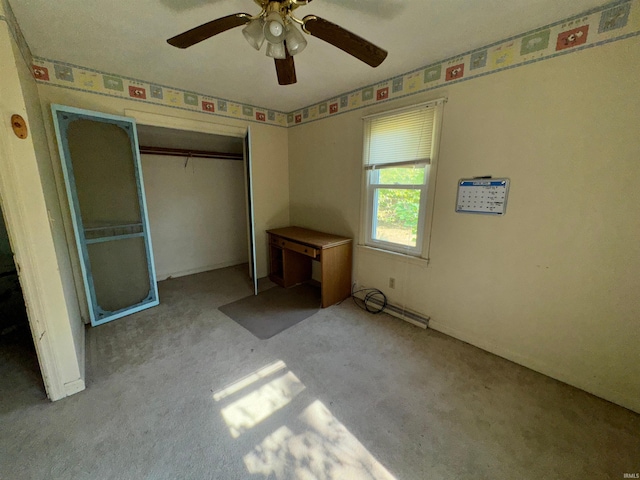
<point>418,261</point>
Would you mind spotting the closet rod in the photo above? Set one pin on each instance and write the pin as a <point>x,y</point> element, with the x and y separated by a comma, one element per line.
<point>180,152</point>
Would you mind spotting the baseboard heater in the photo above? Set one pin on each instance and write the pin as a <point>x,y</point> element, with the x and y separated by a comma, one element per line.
<point>403,314</point>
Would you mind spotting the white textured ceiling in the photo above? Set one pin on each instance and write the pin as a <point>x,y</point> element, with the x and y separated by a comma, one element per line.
<point>128,38</point>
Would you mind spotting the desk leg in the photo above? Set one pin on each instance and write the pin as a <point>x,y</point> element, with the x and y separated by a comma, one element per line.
<point>336,274</point>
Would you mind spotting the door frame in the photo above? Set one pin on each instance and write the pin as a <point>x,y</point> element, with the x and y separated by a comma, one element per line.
<point>32,271</point>
<point>251,217</point>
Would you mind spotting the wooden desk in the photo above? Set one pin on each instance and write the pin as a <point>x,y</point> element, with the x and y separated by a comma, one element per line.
<point>291,251</point>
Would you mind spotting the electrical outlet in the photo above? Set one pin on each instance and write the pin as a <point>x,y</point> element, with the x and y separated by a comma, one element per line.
<point>392,282</point>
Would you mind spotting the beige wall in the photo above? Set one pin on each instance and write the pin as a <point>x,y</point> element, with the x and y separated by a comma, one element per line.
<point>31,208</point>
<point>554,284</point>
<point>197,213</point>
<point>269,155</point>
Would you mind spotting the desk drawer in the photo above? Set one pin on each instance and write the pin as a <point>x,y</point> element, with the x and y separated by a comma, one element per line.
<point>296,247</point>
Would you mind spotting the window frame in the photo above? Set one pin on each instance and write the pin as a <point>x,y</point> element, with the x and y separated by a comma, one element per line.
<point>372,204</point>
<point>427,189</point>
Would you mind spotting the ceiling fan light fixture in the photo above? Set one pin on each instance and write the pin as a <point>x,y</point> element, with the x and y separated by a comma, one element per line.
<point>276,50</point>
<point>254,33</point>
<point>295,41</point>
<point>276,24</point>
<point>274,29</point>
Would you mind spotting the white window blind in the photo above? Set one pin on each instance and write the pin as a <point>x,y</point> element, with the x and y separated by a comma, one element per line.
<point>401,138</point>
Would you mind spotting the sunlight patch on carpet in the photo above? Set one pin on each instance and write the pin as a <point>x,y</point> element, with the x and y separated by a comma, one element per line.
<point>261,403</point>
<point>323,449</point>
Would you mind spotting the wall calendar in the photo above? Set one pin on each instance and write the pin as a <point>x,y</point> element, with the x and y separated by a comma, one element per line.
<point>482,195</point>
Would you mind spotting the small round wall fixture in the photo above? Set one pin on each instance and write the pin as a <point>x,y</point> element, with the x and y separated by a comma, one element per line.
<point>19,126</point>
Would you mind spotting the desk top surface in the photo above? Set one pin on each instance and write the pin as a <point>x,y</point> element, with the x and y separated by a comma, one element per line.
<point>310,237</point>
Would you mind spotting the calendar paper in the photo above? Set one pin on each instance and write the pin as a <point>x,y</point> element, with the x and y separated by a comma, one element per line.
<point>488,196</point>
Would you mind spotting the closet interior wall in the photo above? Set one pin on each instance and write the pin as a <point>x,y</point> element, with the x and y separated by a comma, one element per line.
<point>196,200</point>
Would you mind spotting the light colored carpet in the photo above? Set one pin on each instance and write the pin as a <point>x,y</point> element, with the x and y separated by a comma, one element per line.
<point>183,392</point>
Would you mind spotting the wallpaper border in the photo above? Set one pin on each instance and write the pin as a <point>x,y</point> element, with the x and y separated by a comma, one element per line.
<point>79,78</point>
<point>611,22</point>
<point>608,23</point>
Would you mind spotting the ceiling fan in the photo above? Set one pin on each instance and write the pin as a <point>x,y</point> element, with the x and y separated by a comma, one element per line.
<point>276,23</point>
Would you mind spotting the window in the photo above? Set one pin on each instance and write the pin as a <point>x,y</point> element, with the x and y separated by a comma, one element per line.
<point>400,150</point>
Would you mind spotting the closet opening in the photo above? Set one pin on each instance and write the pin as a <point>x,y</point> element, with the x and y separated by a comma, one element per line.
<point>196,193</point>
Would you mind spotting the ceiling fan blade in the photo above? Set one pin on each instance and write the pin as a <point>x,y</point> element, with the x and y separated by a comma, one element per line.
<point>344,40</point>
<point>208,30</point>
<point>286,70</point>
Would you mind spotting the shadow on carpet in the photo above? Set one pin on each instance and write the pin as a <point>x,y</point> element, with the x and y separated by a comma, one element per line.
<point>274,310</point>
